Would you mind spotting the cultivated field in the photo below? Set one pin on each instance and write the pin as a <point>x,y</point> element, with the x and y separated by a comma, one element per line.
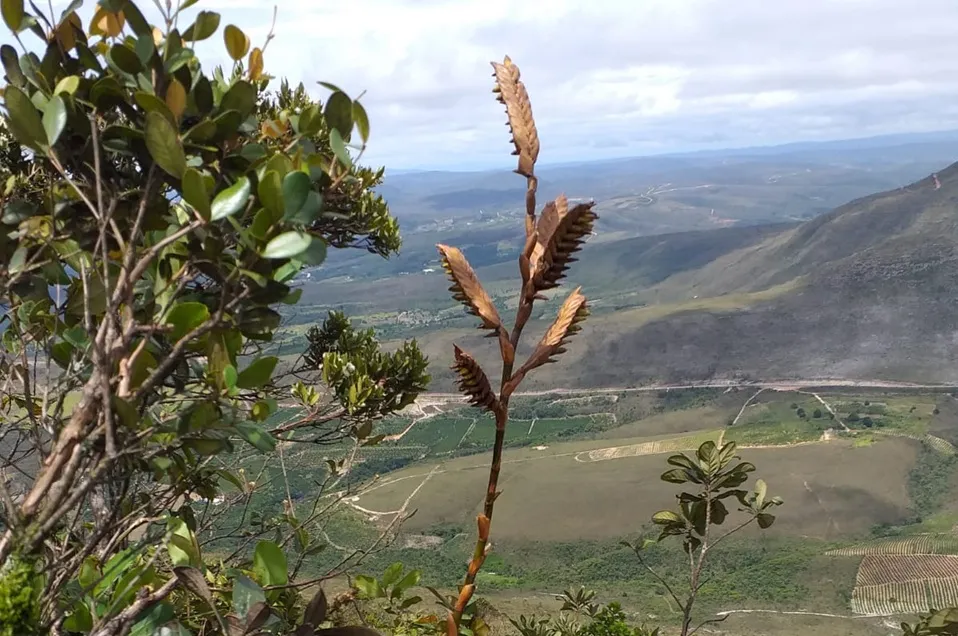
<point>831,489</point>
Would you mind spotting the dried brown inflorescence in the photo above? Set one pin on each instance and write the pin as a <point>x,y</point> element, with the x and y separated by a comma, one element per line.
<point>512,92</point>
<point>473,383</point>
<point>559,234</point>
<point>467,289</point>
<point>550,245</point>
<point>574,311</point>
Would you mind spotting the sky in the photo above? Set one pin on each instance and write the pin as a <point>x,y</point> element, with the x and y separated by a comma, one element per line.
<point>614,78</point>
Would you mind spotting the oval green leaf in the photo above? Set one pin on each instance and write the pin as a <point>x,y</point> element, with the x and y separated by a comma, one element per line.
<point>338,146</point>
<point>11,65</point>
<point>203,27</point>
<point>296,189</point>
<point>257,437</point>
<point>241,97</point>
<point>13,14</point>
<point>315,254</point>
<point>270,192</point>
<point>339,113</point>
<point>164,144</point>
<point>25,121</point>
<point>125,59</point>
<point>310,210</point>
<point>361,120</point>
<point>269,564</point>
<point>54,119</point>
<point>68,85</point>
<point>194,192</point>
<point>258,373</point>
<point>185,317</point>
<point>287,245</point>
<point>231,200</point>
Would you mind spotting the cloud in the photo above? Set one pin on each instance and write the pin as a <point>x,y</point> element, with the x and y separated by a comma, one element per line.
<point>618,77</point>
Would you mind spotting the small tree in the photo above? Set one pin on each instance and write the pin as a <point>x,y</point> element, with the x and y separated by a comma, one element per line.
<point>551,241</point>
<point>699,514</point>
<point>817,414</point>
<point>157,214</point>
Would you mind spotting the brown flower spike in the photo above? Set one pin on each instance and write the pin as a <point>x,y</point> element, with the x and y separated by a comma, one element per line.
<point>559,234</point>
<point>473,382</point>
<point>574,310</point>
<point>467,289</point>
<point>513,94</point>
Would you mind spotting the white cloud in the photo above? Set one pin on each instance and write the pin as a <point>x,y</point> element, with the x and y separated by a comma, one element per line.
<point>618,76</point>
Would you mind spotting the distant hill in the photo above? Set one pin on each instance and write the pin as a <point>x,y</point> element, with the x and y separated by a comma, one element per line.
<point>865,291</point>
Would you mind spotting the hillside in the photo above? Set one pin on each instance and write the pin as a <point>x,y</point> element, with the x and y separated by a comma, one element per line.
<point>861,292</point>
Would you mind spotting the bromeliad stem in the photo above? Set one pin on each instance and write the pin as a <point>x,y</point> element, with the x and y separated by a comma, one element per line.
<point>484,520</point>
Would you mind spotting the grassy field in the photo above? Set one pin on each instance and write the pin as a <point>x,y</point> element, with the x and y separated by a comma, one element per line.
<point>833,490</point>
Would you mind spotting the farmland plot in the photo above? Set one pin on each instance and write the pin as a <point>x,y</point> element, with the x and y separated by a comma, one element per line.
<point>918,544</point>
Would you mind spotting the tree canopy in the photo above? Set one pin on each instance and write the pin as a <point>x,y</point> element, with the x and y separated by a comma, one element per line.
<point>157,213</point>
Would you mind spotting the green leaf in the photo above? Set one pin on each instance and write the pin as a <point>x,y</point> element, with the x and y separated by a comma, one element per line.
<point>81,620</point>
<point>293,297</point>
<point>145,48</point>
<point>315,254</point>
<point>246,593</point>
<point>339,148</point>
<point>194,192</point>
<point>241,97</point>
<point>231,200</point>
<point>339,113</point>
<point>675,476</point>
<point>163,142</point>
<point>54,119</point>
<point>125,59</point>
<point>269,564</point>
<point>258,373</point>
<point>270,192</point>
<point>230,376</point>
<point>68,85</point>
<point>151,103</point>
<point>257,437</point>
<point>12,14</point>
<point>153,620</point>
<point>410,580</point>
<point>185,317</point>
<point>392,573</point>
<point>310,121</point>
<point>296,189</point>
<point>761,489</point>
<point>287,245</point>
<point>765,520</point>
<point>664,517</point>
<point>362,121</point>
<point>178,60</point>
<point>11,65</point>
<point>182,548</point>
<point>203,27</point>
<point>310,210</point>
<point>25,121</point>
<point>367,587</point>
<point>237,44</point>
<point>329,86</point>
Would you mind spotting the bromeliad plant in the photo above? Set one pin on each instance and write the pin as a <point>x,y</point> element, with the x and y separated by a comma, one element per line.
<point>552,239</point>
